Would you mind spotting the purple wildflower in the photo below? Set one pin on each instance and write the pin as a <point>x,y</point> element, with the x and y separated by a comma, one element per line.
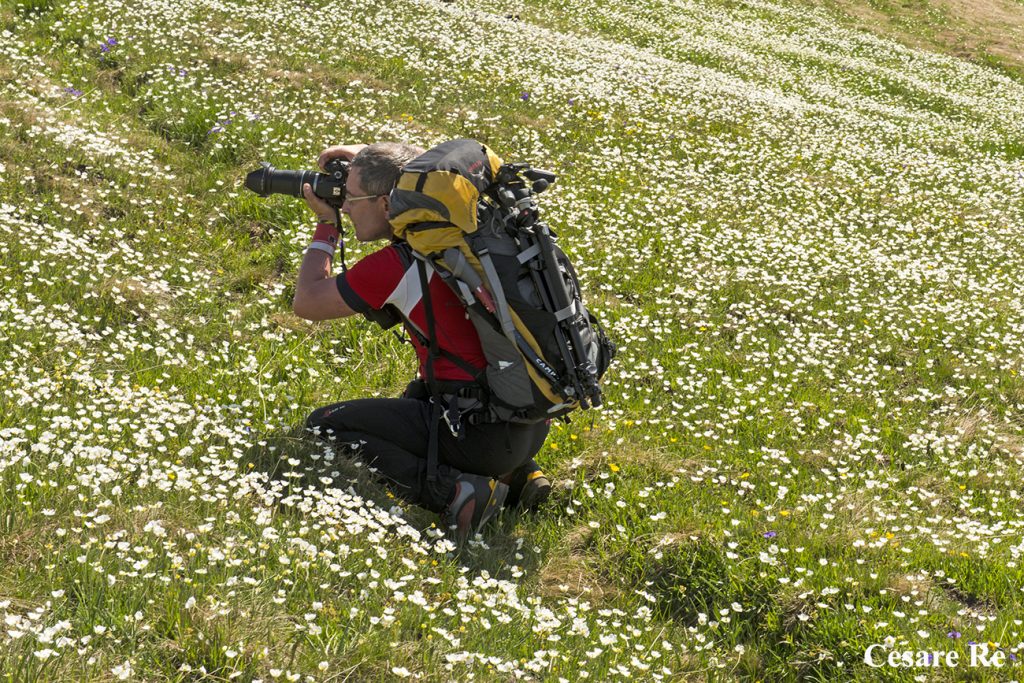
<point>769,534</point>
<point>221,125</point>
<point>954,634</point>
<point>74,92</point>
<point>525,96</point>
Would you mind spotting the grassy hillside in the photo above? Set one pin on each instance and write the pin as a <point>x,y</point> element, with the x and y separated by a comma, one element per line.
<point>804,236</point>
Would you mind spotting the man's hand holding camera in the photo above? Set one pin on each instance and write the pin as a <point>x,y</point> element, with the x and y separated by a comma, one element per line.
<point>325,213</point>
<point>346,152</point>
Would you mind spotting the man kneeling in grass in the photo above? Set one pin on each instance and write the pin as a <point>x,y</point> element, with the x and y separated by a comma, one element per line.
<point>491,463</point>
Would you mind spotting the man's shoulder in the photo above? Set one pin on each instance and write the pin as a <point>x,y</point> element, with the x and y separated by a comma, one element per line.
<point>382,269</point>
<point>388,258</point>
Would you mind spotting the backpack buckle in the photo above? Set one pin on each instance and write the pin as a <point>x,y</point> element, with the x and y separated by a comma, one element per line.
<point>453,418</point>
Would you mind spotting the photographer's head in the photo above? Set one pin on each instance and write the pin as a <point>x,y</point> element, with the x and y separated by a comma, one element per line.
<point>373,174</point>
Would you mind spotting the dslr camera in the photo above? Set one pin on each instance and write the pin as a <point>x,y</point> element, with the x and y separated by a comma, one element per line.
<point>329,186</point>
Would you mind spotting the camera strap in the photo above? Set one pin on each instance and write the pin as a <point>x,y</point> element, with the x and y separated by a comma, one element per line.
<point>341,238</point>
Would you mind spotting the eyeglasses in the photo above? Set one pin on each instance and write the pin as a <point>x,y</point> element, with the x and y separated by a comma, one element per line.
<point>352,200</point>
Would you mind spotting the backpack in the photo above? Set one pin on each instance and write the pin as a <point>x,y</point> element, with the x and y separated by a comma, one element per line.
<point>474,221</point>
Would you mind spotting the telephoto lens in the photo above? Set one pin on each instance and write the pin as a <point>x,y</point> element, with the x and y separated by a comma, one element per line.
<point>267,180</point>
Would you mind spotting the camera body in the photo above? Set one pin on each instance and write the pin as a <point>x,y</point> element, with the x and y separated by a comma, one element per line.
<point>329,186</point>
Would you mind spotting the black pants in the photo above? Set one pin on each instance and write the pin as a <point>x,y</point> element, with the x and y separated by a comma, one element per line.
<point>391,435</point>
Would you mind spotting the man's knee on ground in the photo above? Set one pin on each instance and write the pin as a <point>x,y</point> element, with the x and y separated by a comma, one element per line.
<point>316,423</point>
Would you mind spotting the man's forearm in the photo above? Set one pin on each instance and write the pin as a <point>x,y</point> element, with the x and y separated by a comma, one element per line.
<point>316,292</point>
<point>316,266</point>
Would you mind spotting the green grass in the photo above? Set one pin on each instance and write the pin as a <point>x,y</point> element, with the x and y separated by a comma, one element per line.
<point>802,237</point>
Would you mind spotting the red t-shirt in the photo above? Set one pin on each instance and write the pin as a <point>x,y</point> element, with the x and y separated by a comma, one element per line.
<point>381,279</point>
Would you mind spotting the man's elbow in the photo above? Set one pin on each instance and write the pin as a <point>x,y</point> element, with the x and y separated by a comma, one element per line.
<point>301,307</point>
<point>319,301</point>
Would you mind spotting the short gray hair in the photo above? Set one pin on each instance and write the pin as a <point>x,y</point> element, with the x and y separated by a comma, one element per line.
<point>380,165</point>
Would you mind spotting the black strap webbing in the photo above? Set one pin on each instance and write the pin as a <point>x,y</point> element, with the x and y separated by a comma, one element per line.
<point>476,373</point>
<point>432,353</point>
<point>405,255</point>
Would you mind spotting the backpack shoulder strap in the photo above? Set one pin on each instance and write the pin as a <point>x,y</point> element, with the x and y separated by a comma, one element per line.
<point>404,251</point>
<point>408,258</point>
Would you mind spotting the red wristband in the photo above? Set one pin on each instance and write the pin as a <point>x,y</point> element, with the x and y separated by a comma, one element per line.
<point>326,233</point>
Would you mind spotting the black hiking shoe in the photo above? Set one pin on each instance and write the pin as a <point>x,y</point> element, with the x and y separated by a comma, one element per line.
<point>528,487</point>
<point>535,491</point>
<point>476,500</point>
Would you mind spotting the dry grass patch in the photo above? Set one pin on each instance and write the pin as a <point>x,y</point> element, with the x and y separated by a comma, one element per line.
<point>23,116</point>
<point>974,426</point>
<point>936,495</point>
<point>916,586</point>
<point>966,425</point>
<point>291,77</point>
<point>574,575</point>
<point>658,461</point>
<point>598,299</point>
<point>792,603</point>
<point>290,321</point>
<point>571,571</point>
<point>678,538</point>
<point>852,515</point>
<point>135,292</point>
<point>27,546</point>
<point>229,61</point>
<point>18,605</point>
<point>975,30</point>
<point>76,194</point>
<point>334,80</point>
<point>994,26</point>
